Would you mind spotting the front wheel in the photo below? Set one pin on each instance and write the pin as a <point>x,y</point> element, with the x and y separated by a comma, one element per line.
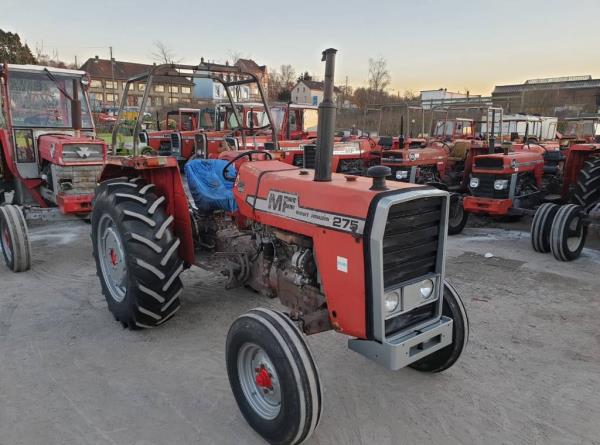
<point>14,238</point>
<point>568,233</point>
<point>273,376</point>
<point>446,357</point>
<point>541,226</point>
<point>457,219</point>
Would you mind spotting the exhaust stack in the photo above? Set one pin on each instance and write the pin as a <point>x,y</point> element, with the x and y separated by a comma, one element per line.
<point>326,126</point>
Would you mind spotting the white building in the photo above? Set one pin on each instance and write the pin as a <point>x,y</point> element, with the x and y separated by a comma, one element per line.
<point>310,92</point>
<point>432,98</point>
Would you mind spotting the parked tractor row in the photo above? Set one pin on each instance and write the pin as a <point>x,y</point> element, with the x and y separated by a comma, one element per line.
<point>349,232</point>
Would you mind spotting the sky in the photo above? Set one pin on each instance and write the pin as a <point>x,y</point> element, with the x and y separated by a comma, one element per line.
<point>428,44</point>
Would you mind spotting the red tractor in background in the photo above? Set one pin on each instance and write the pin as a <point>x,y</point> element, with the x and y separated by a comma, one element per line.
<point>182,119</point>
<point>525,172</point>
<point>50,159</point>
<point>446,160</point>
<point>353,254</point>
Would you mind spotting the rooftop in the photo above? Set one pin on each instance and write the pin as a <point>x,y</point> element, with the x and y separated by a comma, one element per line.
<point>103,69</point>
<point>551,83</point>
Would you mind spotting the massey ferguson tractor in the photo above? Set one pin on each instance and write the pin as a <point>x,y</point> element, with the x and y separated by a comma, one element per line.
<point>50,159</point>
<point>358,255</point>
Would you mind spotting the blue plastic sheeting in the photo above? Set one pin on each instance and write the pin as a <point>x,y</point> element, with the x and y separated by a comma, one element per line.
<point>209,189</point>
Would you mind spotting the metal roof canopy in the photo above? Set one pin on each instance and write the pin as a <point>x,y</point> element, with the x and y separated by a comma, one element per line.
<point>203,70</point>
<point>41,68</point>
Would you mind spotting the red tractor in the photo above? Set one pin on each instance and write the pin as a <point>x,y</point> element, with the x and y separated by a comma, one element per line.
<point>446,161</point>
<point>562,230</point>
<point>50,159</point>
<point>182,119</point>
<point>353,254</point>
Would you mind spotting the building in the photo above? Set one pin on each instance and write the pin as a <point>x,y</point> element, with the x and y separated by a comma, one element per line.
<point>558,96</point>
<point>441,96</point>
<point>261,73</point>
<point>108,79</point>
<point>310,92</point>
<point>207,89</point>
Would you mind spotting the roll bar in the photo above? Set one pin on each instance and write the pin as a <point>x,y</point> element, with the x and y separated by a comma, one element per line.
<point>203,70</point>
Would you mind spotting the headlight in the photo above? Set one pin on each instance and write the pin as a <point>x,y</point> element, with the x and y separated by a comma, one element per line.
<point>501,184</point>
<point>474,183</point>
<point>402,174</point>
<point>392,300</point>
<point>426,288</point>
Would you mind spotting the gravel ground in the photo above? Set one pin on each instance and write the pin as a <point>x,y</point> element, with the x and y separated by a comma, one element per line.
<point>69,374</point>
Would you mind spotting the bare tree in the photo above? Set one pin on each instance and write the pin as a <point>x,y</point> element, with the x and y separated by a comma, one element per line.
<point>234,56</point>
<point>163,54</point>
<point>287,76</point>
<point>379,76</point>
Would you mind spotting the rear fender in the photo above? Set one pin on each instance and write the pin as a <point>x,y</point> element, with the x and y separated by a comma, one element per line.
<point>167,182</point>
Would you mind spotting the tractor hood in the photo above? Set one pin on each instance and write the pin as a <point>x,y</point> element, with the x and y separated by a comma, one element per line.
<point>508,163</point>
<point>65,149</point>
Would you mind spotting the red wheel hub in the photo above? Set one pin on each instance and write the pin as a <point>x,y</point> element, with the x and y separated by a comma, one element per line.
<point>263,379</point>
<point>6,237</point>
<point>113,257</point>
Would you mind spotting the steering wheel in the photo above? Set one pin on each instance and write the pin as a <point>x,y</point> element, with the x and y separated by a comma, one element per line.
<point>248,153</point>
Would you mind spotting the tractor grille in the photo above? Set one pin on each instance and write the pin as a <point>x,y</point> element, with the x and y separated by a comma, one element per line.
<point>175,142</point>
<point>310,155</point>
<point>486,187</point>
<point>82,152</point>
<point>411,240</point>
<point>489,163</point>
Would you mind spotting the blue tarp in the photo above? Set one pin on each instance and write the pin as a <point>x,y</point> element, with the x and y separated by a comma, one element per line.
<point>209,189</point>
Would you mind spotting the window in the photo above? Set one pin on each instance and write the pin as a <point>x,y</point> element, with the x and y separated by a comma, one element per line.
<point>96,84</point>
<point>185,100</point>
<point>186,90</point>
<point>141,86</point>
<point>173,89</point>
<point>110,85</point>
<point>112,97</point>
<point>172,100</point>
<point>97,97</point>
<point>159,88</point>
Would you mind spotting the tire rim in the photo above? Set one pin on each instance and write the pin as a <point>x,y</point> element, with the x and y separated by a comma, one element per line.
<point>259,381</point>
<point>6,243</point>
<point>456,214</point>
<point>112,258</point>
<point>574,234</point>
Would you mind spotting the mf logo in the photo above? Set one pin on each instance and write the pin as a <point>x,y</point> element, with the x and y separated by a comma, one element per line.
<point>280,202</point>
<point>84,152</point>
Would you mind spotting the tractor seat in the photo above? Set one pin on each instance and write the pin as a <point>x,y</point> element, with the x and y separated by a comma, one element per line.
<point>459,151</point>
<point>210,190</point>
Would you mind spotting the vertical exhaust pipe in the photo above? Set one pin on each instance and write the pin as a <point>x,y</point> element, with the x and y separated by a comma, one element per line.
<point>76,109</point>
<point>326,126</point>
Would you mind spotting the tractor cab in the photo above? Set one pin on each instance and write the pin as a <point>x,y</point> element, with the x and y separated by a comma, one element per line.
<point>581,130</point>
<point>295,121</point>
<point>49,154</point>
<point>453,129</point>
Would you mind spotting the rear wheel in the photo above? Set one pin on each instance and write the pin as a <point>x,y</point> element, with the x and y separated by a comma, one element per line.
<point>457,216</point>
<point>568,233</point>
<point>587,190</point>
<point>273,376</point>
<point>446,357</point>
<point>136,253</point>
<point>14,238</point>
<point>541,226</point>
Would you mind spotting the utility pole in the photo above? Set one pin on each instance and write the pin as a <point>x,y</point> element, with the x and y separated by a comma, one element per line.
<point>112,68</point>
